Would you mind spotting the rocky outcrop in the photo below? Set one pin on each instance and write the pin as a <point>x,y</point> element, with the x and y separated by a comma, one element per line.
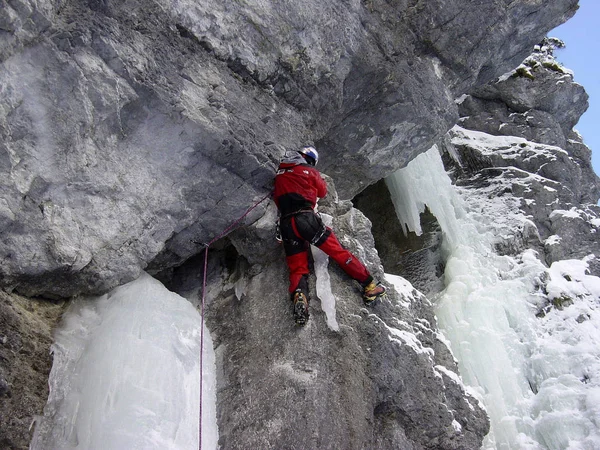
<point>542,161</point>
<point>515,138</point>
<point>519,227</point>
<point>540,102</point>
<point>134,131</point>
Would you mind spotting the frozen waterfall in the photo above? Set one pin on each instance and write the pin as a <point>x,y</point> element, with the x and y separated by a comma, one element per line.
<point>538,377</point>
<point>126,374</point>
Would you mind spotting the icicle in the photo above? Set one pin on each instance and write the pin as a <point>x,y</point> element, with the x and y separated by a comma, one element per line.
<point>324,281</point>
<point>425,183</point>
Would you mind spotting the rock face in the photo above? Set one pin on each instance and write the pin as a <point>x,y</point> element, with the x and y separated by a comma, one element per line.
<point>549,170</point>
<point>402,252</point>
<point>134,131</point>
<point>25,338</point>
<point>532,204</point>
<point>281,386</point>
<point>541,103</point>
<point>515,137</point>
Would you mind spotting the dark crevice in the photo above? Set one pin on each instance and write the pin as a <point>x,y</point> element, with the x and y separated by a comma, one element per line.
<point>419,259</point>
<point>223,261</point>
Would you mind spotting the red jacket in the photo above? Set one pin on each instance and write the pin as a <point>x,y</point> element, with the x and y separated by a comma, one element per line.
<point>297,186</point>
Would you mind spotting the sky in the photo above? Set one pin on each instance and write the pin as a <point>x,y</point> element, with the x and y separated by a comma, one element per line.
<point>581,35</point>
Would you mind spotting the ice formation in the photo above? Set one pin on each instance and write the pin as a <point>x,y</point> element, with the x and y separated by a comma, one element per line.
<point>531,357</point>
<point>324,281</point>
<point>126,374</point>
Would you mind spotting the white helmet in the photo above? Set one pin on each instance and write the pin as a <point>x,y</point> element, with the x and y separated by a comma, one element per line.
<point>310,154</point>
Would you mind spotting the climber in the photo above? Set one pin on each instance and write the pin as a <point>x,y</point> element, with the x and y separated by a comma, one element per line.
<point>297,186</point>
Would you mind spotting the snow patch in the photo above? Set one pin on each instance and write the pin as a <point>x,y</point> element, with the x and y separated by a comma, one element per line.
<point>505,76</point>
<point>569,278</point>
<point>437,68</point>
<point>408,338</point>
<point>457,426</point>
<point>452,375</point>
<point>402,286</point>
<point>553,240</point>
<point>573,213</point>
<point>461,99</point>
<point>506,146</point>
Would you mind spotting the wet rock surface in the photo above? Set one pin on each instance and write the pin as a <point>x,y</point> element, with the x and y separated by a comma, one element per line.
<point>402,252</point>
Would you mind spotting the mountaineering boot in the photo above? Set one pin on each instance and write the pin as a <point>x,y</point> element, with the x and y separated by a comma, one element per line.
<point>300,307</point>
<point>372,292</point>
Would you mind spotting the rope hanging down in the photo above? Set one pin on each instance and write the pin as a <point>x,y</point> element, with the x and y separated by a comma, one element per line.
<point>227,230</point>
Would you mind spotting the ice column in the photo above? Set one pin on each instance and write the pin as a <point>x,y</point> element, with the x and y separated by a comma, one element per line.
<point>126,374</point>
<point>425,183</point>
<point>527,337</point>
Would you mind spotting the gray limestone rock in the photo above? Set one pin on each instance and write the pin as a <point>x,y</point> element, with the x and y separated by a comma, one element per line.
<point>134,132</point>
<point>385,379</point>
<point>543,178</point>
<point>581,155</point>
<point>495,117</point>
<point>549,170</point>
<point>540,102</point>
<point>575,236</point>
<point>479,151</point>
<point>541,84</point>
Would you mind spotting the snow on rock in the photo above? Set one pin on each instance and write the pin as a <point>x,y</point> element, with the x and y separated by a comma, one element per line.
<point>565,362</point>
<point>126,374</point>
<point>552,240</point>
<point>573,213</point>
<point>509,147</point>
<point>570,278</point>
<point>402,286</point>
<point>406,337</point>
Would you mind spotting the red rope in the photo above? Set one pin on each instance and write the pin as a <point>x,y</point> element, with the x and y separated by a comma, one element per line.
<point>227,230</point>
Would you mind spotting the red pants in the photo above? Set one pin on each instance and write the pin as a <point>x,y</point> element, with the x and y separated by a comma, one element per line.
<point>307,228</point>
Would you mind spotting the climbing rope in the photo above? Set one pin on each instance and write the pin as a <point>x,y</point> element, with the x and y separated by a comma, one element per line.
<point>227,230</point>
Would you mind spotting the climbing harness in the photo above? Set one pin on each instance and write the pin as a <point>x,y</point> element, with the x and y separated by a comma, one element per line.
<point>227,230</point>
